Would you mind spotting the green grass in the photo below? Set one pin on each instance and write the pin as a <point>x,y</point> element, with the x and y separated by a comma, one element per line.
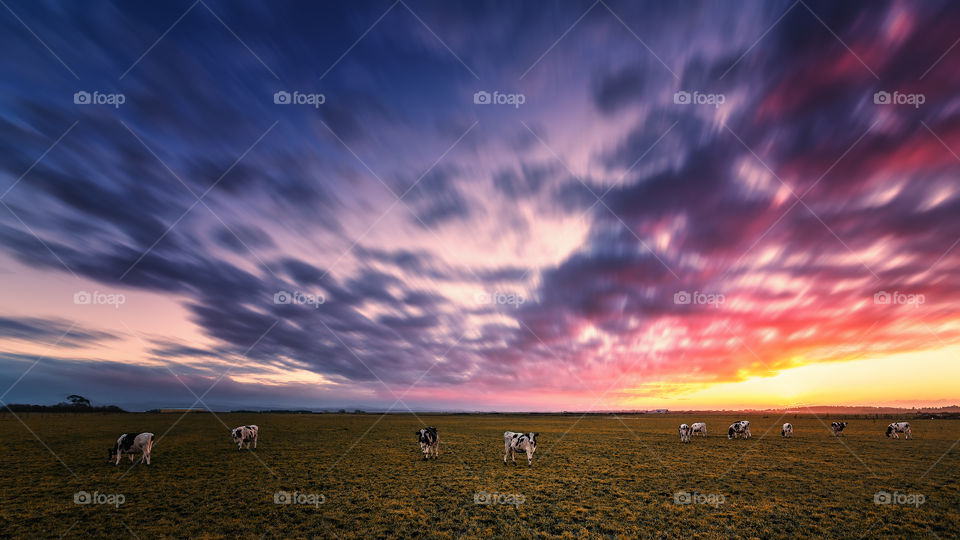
<point>606,477</point>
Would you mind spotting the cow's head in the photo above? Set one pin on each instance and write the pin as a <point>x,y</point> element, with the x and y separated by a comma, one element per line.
<point>122,444</point>
<point>112,452</point>
<point>889,430</point>
<point>237,434</point>
<point>533,441</point>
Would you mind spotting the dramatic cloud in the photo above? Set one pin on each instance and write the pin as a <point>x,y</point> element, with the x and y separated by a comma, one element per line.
<point>684,196</point>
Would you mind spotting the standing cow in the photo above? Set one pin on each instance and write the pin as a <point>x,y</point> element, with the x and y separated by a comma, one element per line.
<point>519,442</point>
<point>899,427</point>
<point>685,433</point>
<point>131,444</point>
<point>739,429</point>
<point>245,434</point>
<point>429,442</point>
<point>837,428</point>
<point>699,427</point>
<point>787,430</point>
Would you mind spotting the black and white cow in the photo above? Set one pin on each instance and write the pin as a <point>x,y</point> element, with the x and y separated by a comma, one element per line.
<point>429,442</point>
<point>245,434</point>
<point>685,432</point>
<point>699,427</point>
<point>895,428</point>
<point>132,444</point>
<point>787,430</point>
<point>519,442</point>
<point>837,428</point>
<point>739,429</point>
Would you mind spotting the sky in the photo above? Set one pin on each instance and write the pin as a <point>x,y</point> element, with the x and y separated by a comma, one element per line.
<point>515,206</point>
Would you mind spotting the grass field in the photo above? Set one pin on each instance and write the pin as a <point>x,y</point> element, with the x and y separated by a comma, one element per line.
<point>606,477</point>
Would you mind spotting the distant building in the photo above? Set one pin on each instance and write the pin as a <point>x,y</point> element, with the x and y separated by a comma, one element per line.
<point>660,411</point>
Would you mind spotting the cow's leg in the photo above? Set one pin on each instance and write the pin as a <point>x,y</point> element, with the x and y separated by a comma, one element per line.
<point>529,459</point>
<point>513,456</point>
<point>506,450</point>
<point>255,437</point>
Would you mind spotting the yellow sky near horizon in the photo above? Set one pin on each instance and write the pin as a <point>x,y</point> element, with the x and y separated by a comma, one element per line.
<point>930,378</point>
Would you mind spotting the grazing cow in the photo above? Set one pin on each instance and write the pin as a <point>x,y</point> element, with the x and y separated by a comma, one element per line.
<point>699,427</point>
<point>131,444</point>
<point>899,427</point>
<point>245,434</point>
<point>685,432</point>
<point>519,442</point>
<point>787,430</point>
<point>739,429</point>
<point>837,428</point>
<point>429,442</point>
